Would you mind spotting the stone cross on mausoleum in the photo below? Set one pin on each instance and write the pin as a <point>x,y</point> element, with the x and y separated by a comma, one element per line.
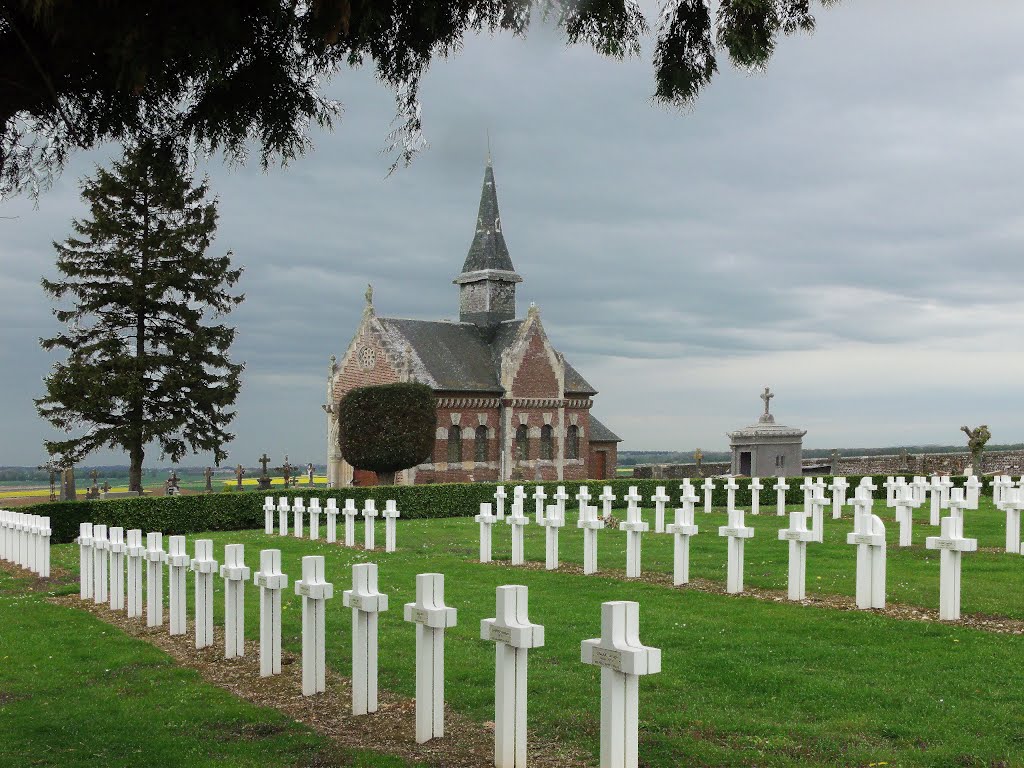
<point>767,395</point>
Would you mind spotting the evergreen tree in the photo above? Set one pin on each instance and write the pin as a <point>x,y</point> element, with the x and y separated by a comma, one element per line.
<point>140,298</point>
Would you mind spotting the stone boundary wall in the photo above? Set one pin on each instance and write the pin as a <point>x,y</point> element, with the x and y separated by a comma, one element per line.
<point>995,462</point>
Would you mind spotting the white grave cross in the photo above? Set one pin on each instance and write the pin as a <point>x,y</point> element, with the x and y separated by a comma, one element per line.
<point>486,520</point>
<point>660,499</point>
<point>838,487</point>
<point>298,511</point>
<point>315,593</point>
<point>271,582</point>
<point>499,500</point>
<point>431,617</point>
<point>369,524</point>
<point>755,496</point>
<point>583,497</point>
<point>797,535</point>
<point>235,575</point>
<point>634,526</point>
<point>904,514</point>
<point>268,515</point>
<point>366,602</point>
<point>1012,503</point>
<point>314,519</point>
<point>350,512</point>
<point>869,537</point>
<point>517,520</point>
<point>178,561</point>
<point>84,542</point>
<point>100,548</point>
<point>606,498</point>
<point>136,554</point>
<point>117,549</point>
<point>737,533</point>
<point>154,579</point>
<point>204,566</point>
<point>539,497</point>
<point>551,522</point>
<point>390,515</point>
<point>731,486</point>
<point>332,521</point>
<point>951,544</point>
<point>709,487</point>
<point>283,507</point>
<point>682,529</point>
<point>591,524</point>
<point>780,490</point>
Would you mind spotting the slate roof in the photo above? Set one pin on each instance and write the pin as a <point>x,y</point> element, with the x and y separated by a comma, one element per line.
<point>462,357</point>
<point>488,250</point>
<point>599,433</point>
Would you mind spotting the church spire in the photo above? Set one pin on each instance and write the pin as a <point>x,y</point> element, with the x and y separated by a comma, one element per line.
<point>487,291</point>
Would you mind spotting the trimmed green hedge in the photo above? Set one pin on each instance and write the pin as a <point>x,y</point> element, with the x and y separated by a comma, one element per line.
<point>235,511</point>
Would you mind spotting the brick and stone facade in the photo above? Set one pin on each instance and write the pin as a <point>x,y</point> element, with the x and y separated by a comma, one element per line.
<point>509,406</point>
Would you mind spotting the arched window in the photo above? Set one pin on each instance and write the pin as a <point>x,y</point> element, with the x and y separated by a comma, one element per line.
<point>522,442</point>
<point>455,444</point>
<point>547,442</point>
<point>572,442</point>
<point>481,444</point>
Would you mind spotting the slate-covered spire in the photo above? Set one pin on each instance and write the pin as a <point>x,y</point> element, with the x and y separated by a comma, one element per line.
<point>487,285</point>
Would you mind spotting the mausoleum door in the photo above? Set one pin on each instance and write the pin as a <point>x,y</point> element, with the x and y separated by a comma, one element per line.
<point>745,463</point>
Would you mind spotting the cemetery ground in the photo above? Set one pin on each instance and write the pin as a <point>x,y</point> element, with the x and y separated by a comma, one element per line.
<point>747,680</point>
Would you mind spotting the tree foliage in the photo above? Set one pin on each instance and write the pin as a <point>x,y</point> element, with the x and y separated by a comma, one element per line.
<point>140,297</point>
<point>387,428</point>
<point>228,74</point>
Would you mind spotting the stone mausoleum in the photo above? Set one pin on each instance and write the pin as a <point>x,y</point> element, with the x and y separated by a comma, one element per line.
<point>509,405</point>
<point>767,449</point>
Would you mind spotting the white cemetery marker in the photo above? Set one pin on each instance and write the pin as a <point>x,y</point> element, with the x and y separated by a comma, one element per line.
<point>283,507</point>
<point>890,491</point>
<point>869,490</point>
<point>177,563</point>
<point>204,566</point>
<point>935,488</point>
<point>486,520</point>
<point>517,520</point>
<point>314,519</point>
<point>731,486</point>
<point>539,497</point>
<point>560,498</point>
<point>518,497</point>
<point>5,518</point>
<point>136,553</point>
<point>583,497</point>
<point>268,515</point>
<point>369,523</point>
<point>591,524</point>
<point>271,582</point>
<point>838,488</point>
<point>44,535</point>
<point>973,487</point>
<point>391,515</point>
<point>818,502</point>
<point>904,514</point>
<point>869,537</point>
<point>100,548</point>
<point>606,498</point>
<point>920,486</point>
<point>235,575</point>
<point>946,485</point>
<point>332,521</point>
<point>622,659</point>
<point>31,534</point>
<point>117,549</point>
<point>797,535</point>
<point>807,486</point>
<point>737,532</point>
<point>513,635</point>
<point>1012,503</point>
<point>780,496</point>
<point>499,500</point>
<point>366,601</point>
<point>154,556</point>
<point>85,578</point>
<point>709,487</point>
<point>660,499</point>
<point>682,529</point>
<point>999,483</point>
<point>755,496</point>
<point>350,512</point>
<point>551,522</point>
<point>298,511</point>
<point>315,593</point>
<point>952,544</point>
<point>634,526</point>
<point>431,617</point>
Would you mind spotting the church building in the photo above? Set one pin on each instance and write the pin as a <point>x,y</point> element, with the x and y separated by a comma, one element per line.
<point>509,405</point>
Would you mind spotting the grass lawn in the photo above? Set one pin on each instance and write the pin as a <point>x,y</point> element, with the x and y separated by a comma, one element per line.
<point>745,682</point>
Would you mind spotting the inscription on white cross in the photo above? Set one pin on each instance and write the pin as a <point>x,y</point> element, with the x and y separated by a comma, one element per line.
<point>350,512</point>
<point>204,566</point>
<point>366,602</point>
<point>869,537</point>
<point>486,521</point>
<point>514,635</point>
<point>682,529</point>
<point>755,496</point>
<point>660,499</point>
<point>951,544</point>
<point>100,550</point>
<point>431,617</point>
<point>268,515</point>
<point>622,659</point>
<point>283,508</point>
<point>315,593</point>
<point>635,527</point>
<point>369,525</point>
<point>235,575</point>
<point>780,496</point>
<point>298,512</point>
<point>838,488</point>
<point>539,497</point>
<point>314,519</point>
<point>271,582</point>
<point>178,561</point>
<point>135,553</point>
<point>517,520</point>
<point>551,522</point>
<point>590,523</point>
<point>731,486</point>
<point>332,521</point>
<point>390,515</point>
<point>155,557</point>
<point>606,498</point>
<point>737,533</point>
<point>797,535</point>
<point>709,488</point>
<point>499,501</point>
<point>117,549</point>
<point>84,542</point>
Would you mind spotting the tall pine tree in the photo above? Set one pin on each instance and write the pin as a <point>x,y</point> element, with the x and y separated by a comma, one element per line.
<point>141,300</point>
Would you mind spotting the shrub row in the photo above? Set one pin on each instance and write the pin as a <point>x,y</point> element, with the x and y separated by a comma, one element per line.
<point>244,510</point>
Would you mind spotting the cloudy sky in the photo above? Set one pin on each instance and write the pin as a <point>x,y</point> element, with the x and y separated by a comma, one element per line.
<point>846,228</point>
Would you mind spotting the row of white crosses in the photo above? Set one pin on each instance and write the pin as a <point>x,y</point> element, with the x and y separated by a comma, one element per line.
<point>1009,498</point>
<point>25,541</point>
<point>297,508</point>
